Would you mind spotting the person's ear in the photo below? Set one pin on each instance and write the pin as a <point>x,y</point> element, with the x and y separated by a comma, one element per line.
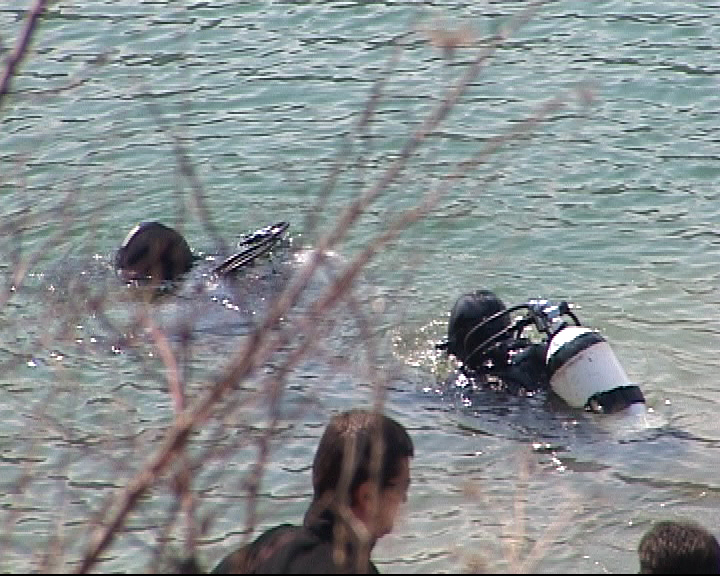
<point>363,501</point>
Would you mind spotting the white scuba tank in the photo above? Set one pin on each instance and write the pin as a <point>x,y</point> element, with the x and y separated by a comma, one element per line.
<point>582,366</point>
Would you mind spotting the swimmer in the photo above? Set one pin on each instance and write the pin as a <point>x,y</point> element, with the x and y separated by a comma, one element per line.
<point>574,362</point>
<point>154,254</point>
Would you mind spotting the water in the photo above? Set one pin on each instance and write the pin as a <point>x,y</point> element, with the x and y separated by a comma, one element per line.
<point>610,201</point>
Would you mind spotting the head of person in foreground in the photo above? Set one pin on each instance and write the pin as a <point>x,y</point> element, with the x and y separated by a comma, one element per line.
<point>362,466</point>
<point>679,547</point>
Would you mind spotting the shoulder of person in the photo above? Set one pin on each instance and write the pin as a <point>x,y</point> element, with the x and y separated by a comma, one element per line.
<point>245,559</point>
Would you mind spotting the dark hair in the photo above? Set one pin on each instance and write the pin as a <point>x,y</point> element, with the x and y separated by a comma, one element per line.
<point>467,313</point>
<point>354,438</point>
<point>155,253</point>
<point>674,547</point>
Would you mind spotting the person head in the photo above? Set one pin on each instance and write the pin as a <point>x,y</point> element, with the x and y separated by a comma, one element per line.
<point>464,332</point>
<point>153,253</point>
<point>363,460</point>
<point>678,547</point>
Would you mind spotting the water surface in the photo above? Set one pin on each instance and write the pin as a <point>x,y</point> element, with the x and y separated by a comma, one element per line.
<point>610,202</point>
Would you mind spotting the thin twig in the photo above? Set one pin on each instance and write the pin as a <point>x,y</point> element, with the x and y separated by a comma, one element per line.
<point>22,45</point>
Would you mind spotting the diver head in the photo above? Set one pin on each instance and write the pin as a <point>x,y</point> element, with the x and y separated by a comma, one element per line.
<point>465,332</point>
<point>153,253</point>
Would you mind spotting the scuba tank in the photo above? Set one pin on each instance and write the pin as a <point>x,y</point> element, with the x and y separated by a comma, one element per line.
<point>585,372</point>
<point>582,367</point>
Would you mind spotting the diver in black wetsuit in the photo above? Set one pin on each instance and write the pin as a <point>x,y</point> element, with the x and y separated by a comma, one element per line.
<point>479,337</point>
<point>572,361</point>
<point>154,254</point>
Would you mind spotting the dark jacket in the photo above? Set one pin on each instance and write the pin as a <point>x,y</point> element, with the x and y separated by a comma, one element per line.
<point>307,549</point>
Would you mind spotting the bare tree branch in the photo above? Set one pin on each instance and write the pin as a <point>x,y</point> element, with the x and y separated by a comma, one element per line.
<point>21,46</point>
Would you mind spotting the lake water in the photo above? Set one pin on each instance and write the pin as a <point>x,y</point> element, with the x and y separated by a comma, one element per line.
<point>610,200</point>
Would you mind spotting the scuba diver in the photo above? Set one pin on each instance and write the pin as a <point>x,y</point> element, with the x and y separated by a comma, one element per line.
<point>155,255</point>
<point>575,362</point>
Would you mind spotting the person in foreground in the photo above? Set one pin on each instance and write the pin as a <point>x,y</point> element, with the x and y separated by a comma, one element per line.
<point>678,547</point>
<point>360,476</point>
